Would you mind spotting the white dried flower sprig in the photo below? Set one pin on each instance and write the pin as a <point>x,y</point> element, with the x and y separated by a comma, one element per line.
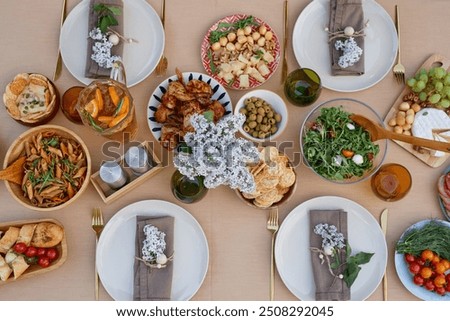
<point>351,52</point>
<point>331,237</point>
<point>153,248</point>
<point>101,50</point>
<point>217,154</point>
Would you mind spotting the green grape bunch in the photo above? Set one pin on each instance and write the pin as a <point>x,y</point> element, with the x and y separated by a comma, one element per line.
<point>432,86</point>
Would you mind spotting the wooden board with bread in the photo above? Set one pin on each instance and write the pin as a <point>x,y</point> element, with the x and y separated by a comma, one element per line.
<point>30,247</point>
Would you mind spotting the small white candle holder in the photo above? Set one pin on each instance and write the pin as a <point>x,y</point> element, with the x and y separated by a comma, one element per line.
<point>112,174</point>
<point>137,159</point>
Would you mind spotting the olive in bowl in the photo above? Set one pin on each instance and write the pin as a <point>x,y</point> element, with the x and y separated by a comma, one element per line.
<point>266,115</point>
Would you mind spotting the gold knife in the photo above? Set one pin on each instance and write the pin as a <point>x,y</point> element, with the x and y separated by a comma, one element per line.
<point>285,40</point>
<point>59,61</point>
<point>384,221</point>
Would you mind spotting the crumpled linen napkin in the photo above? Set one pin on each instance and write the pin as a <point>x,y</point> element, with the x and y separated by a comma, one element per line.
<point>345,13</point>
<point>152,284</point>
<point>327,287</point>
<point>93,70</point>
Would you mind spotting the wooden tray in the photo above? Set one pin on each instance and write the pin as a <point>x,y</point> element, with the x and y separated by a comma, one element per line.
<point>433,60</point>
<point>108,194</point>
<point>35,270</point>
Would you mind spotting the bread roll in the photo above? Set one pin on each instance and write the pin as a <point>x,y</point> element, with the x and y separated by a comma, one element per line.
<point>47,235</point>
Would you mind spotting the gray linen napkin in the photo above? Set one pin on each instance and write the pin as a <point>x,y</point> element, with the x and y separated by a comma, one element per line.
<point>327,287</point>
<point>93,70</point>
<point>153,284</point>
<point>345,13</point>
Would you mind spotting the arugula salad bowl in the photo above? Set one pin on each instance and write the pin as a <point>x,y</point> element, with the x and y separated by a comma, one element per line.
<point>336,148</point>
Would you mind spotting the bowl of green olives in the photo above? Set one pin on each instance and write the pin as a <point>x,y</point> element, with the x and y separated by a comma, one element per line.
<point>266,115</point>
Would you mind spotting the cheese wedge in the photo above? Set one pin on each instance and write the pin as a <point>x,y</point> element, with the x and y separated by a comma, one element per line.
<point>427,120</point>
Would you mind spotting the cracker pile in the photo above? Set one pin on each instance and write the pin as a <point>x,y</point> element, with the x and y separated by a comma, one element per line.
<point>273,177</point>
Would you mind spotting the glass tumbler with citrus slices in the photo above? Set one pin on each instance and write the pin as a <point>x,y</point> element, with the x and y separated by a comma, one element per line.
<point>106,106</point>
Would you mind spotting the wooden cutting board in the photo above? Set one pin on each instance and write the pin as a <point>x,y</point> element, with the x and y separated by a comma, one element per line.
<point>435,60</point>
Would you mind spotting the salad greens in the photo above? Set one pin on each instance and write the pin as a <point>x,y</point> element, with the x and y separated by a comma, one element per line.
<point>332,143</point>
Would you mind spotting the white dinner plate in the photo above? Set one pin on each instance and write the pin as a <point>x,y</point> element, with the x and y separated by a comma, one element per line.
<point>293,256</point>
<point>407,278</point>
<point>310,44</point>
<point>141,22</point>
<point>116,250</point>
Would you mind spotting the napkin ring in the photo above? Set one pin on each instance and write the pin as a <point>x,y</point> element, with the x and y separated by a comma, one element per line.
<point>348,32</point>
<point>160,262</point>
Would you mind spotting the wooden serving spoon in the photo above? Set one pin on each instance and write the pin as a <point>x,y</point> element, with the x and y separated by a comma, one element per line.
<point>14,172</point>
<point>377,132</point>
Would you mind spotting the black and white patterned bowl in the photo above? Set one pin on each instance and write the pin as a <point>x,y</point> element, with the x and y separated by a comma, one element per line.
<point>219,94</point>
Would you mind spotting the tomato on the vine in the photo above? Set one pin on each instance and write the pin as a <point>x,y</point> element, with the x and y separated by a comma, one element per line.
<point>31,251</point>
<point>20,247</point>
<point>439,281</point>
<point>429,285</point>
<point>446,264</point>
<point>426,272</point>
<point>436,259</point>
<point>52,254</point>
<point>414,268</point>
<point>43,262</point>
<point>409,258</point>
<point>427,255</point>
<point>420,261</point>
<point>447,287</point>
<point>439,268</point>
<point>440,290</point>
<point>418,280</point>
<point>447,278</point>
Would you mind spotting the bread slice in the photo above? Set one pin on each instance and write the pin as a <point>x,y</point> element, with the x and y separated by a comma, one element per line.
<point>26,233</point>
<point>9,239</point>
<point>47,234</point>
<point>19,266</point>
<point>5,270</point>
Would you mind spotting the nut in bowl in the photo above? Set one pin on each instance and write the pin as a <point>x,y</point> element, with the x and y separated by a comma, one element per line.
<point>31,99</point>
<point>56,170</point>
<point>266,115</point>
<point>275,180</point>
<point>335,147</point>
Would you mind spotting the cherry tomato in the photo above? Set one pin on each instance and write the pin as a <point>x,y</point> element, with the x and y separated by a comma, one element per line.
<point>439,281</point>
<point>436,259</point>
<point>418,279</point>
<point>429,285</point>
<point>420,261</point>
<point>427,255</point>
<point>447,287</point>
<point>446,264</point>
<point>43,262</point>
<point>414,268</point>
<point>52,254</point>
<point>440,290</point>
<point>41,251</point>
<point>426,272</point>
<point>439,268</point>
<point>20,247</point>
<point>409,258</point>
<point>31,251</point>
<point>447,278</point>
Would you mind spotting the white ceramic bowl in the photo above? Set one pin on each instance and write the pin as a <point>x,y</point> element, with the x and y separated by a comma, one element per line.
<point>278,105</point>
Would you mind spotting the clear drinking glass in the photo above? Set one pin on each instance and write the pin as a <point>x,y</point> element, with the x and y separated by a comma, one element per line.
<point>302,87</point>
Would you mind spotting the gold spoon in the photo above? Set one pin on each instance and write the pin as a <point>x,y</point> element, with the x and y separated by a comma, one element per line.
<point>377,132</point>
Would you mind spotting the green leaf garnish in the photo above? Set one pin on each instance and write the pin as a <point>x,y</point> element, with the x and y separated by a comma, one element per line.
<point>106,15</point>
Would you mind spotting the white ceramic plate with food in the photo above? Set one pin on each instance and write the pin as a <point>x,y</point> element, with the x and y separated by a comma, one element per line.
<point>219,93</point>
<point>407,278</point>
<point>293,256</point>
<point>310,44</point>
<point>141,22</point>
<point>116,250</point>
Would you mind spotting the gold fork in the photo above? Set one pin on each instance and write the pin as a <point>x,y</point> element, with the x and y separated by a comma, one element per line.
<point>161,68</point>
<point>399,69</point>
<point>272,226</point>
<point>97,226</point>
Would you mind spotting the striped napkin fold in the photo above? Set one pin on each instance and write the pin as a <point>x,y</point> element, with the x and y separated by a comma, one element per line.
<point>346,13</point>
<point>153,284</point>
<point>328,288</point>
<point>93,70</point>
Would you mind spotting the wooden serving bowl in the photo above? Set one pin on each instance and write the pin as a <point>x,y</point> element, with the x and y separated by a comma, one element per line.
<point>284,200</point>
<point>17,148</point>
<point>35,269</point>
